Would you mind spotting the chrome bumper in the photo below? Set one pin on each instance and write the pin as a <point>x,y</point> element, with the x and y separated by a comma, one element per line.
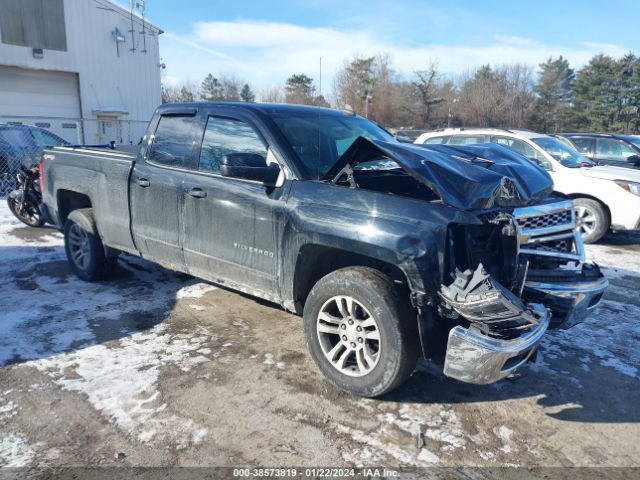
<point>570,302</point>
<point>476,358</point>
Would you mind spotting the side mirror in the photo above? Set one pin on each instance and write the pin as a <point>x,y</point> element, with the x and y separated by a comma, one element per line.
<point>634,159</point>
<point>249,166</point>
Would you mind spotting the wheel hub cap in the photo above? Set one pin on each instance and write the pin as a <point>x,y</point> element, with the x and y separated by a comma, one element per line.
<point>79,246</point>
<point>349,336</point>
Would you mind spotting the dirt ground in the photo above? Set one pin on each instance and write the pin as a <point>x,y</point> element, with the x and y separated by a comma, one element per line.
<point>155,368</point>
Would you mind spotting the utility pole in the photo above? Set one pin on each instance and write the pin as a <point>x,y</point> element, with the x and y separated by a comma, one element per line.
<point>320,82</point>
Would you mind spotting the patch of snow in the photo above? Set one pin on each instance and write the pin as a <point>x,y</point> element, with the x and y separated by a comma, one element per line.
<point>268,359</point>
<point>199,308</point>
<point>15,452</point>
<point>195,291</point>
<point>8,409</point>
<point>504,434</point>
<point>121,382</point>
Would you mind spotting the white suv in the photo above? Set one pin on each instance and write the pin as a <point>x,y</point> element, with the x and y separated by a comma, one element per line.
<point>604,196</point>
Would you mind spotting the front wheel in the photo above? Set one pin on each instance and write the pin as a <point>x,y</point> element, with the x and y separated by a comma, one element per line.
<point>84,248</point>
<point>592,219</point>
<point>29,214</point>
<point>360,332</point>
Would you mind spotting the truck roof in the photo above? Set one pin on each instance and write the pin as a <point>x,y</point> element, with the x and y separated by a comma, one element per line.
<point>266,108</point>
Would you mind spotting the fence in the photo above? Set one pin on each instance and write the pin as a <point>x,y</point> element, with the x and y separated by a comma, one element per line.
<point>22,144</point>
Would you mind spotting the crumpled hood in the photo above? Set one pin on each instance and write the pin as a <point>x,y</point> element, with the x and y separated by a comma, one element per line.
<point>609,172</point>
<point>464,177</point>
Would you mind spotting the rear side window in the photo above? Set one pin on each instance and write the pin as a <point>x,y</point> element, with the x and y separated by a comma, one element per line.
<point>466,139</point>
<point>227,135</point>
<point>435,140</point>
<point>173,141</point>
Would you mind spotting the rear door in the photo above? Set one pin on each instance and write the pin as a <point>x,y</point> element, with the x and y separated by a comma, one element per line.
<point>156,189</point>
<point>232,227</point>
<point>523,148</point>
<point>584,145</point>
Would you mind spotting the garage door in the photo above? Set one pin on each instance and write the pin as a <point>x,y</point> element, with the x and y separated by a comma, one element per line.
<point>40,94</point>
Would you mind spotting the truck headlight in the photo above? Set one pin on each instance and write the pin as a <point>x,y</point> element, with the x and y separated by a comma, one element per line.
<point>631,187</point>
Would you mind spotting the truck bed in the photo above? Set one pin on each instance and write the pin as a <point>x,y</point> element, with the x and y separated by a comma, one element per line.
<point>100,174</point>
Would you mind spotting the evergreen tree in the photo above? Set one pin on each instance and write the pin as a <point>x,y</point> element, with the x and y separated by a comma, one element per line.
<point>211,89</point>
<point>553,95</point>
<point>299,89</point>
<point>246,94</point>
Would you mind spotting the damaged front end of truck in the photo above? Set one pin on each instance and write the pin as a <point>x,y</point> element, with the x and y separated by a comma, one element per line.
<point>515,271</point>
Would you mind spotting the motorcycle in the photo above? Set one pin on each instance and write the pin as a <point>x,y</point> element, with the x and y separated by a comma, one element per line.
<point>24,202</point>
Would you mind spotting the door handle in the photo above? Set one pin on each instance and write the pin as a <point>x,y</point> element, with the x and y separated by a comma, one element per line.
<point>143,182</point>
<point>197,193</point>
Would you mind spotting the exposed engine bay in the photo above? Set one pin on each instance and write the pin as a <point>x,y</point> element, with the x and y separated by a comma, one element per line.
<point>507,278</point>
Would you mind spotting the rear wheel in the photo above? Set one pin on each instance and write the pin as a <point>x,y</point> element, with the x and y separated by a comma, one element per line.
<point>84,248</point>
<point>592,219</point>
<point>360,332</point>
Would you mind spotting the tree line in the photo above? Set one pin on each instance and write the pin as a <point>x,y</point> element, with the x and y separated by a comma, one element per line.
<point>603,95</point>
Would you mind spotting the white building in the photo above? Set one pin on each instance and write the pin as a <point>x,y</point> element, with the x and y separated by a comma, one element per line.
<point>85,69</point>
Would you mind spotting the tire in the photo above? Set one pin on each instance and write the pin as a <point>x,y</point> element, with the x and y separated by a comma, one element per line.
<point>592,219</point>
<point>80,234</point>
<point>370,368</point>
<point>34,219</point>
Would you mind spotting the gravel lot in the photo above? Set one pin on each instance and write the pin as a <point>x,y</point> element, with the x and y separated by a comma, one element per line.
<point>156,368</point>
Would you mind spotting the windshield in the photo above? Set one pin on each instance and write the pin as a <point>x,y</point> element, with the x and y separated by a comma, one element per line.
<point>567,156</point>
<point>320,139</point>
<point>635,140</point>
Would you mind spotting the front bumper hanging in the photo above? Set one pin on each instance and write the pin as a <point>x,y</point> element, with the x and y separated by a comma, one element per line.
<point>502,331</point>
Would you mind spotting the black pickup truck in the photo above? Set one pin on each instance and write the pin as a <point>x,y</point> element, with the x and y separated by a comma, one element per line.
<point>388,250</point>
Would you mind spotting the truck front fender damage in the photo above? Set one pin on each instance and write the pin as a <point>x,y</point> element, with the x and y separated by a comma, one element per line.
<point>497,331</point>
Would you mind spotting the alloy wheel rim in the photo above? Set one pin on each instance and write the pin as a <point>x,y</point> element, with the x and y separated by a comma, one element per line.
<point>79,246</point>
<point>585,220</point>
<point>349,336</point>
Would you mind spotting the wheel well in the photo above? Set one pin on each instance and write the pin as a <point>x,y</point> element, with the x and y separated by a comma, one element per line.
<point>575,196</point>
<point>68,201</point>
<point>316,261</point>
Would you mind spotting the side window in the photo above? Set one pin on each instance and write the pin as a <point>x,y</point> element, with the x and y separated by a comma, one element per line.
<point>227,135</point>
<point>44,138</point>
<point>173,140</point>
<point>436,140</point>
<point>611,149</point>
<point>583,145</point>
<point>466,139</point>
<point>523,148</point>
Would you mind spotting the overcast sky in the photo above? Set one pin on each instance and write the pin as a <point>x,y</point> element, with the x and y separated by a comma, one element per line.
<point>263,42</point>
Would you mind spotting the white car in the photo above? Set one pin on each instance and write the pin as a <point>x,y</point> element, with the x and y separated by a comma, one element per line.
<point>604,196</point>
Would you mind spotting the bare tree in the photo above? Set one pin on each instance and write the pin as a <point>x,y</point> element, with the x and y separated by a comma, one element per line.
<point>184,92</point>
<point>272,94</point>
<point>497,97</point>
<point>426,90</point>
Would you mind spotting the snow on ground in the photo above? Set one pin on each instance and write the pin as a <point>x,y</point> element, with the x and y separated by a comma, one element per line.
<point>108,342</point>
<point>83,337</point>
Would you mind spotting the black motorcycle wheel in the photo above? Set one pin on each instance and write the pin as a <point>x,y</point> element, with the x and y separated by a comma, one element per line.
<point>30,214</point>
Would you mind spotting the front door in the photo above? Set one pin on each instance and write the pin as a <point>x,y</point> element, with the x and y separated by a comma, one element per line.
<point>156,191</point>
<point>613,152</point>
<point>231,226</point>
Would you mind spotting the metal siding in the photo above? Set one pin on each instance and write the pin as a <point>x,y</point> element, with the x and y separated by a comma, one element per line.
<point>130,82</point>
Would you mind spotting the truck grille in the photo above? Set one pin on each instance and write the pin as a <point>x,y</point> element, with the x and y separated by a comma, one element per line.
<point>550,220</point>
<point>549,230</point>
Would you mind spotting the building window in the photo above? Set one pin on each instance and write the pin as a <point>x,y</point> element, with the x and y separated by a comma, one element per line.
<point>33,23</point>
